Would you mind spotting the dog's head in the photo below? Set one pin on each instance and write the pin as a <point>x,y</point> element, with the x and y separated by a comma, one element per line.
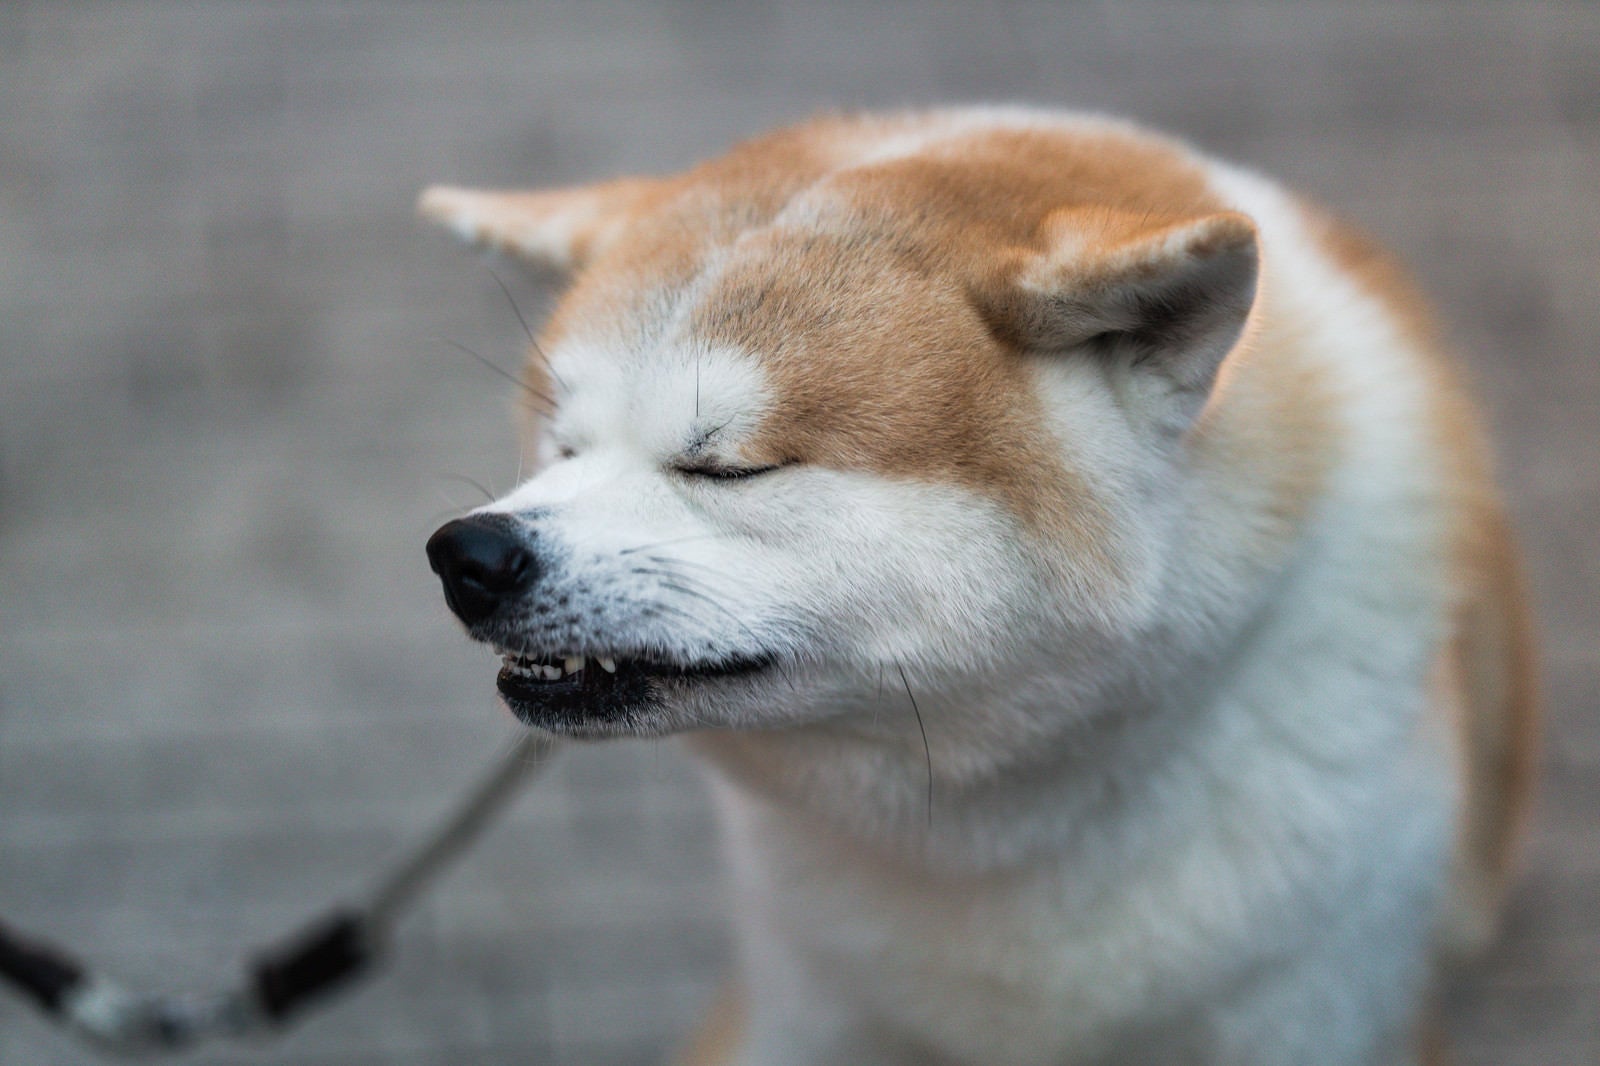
<point>865,402</point>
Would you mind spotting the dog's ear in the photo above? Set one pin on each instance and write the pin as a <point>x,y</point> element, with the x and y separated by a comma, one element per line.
<point>559,229</point>
<point>1172,296</point>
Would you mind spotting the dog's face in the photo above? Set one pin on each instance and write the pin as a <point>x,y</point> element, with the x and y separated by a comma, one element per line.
<point>863,405</point>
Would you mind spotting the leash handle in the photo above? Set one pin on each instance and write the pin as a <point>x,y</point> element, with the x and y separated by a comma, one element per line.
<point>329,953</point>
<point>108,1015</point>
<point>41,972</point>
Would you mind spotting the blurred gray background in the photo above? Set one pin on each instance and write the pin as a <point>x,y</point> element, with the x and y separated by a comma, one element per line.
<point>229,417</point>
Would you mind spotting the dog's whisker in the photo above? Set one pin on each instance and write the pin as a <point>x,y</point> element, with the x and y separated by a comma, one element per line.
<point>470,481</point>
<point>684,590</point>
<point>927,753</point>
<point>668,570</point>
<point>669,543</point>
<point>527,387</point>
<point>700,629</point>
<point>526,329</point>
<point>695,587</point>
<point>737,581</point>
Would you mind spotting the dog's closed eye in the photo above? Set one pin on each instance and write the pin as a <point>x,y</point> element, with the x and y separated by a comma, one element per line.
<point>716,472</point>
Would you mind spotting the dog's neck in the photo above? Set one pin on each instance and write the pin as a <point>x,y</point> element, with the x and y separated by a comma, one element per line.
<point>921,789</point>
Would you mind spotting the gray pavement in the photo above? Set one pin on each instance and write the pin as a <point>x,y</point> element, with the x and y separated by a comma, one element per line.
<point>229,418</point>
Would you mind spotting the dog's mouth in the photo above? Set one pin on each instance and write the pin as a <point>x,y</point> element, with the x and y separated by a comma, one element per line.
<point>598,695</point>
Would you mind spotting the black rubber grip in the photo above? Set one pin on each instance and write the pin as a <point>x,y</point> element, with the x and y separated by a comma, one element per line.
<point>319,960</point>
<point>42,974</point>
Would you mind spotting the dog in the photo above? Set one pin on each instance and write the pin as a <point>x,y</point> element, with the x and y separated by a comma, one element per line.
<point>1074,559</point>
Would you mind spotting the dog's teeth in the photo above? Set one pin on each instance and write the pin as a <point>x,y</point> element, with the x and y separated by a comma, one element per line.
<point>551,673</point>
<point>573,665</point>
<point>608,665</point>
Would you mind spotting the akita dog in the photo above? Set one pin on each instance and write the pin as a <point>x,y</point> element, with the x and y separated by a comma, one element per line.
<point>1072,557</point>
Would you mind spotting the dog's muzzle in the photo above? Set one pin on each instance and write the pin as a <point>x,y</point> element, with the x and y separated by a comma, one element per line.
<point>586,686</point>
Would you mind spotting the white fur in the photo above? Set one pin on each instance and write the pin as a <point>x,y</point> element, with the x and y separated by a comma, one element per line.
<point>1204,824</point>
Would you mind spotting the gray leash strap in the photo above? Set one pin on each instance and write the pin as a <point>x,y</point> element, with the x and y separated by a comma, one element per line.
<point>329,953</point>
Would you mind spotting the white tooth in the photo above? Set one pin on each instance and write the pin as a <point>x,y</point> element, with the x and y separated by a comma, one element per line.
<point>551,673</point>
<point>608,665</point>
<point>573,665</point>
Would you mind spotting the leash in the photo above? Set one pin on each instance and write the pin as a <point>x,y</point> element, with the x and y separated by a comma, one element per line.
<point>329,952</point>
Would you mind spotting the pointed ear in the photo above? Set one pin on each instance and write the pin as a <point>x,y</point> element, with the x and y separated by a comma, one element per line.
<point>1175,295</point>
<point>560,229</point>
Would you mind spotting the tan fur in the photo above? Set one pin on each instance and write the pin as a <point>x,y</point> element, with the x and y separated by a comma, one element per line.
<point>1492,663</point>
<point>853,389</point>
<point>1268,381</point>
<point>559,228</point>
<point>1487,685</point>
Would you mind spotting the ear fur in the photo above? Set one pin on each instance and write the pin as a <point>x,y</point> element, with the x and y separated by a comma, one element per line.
<point>560,229</point>
<point>1177,293</point>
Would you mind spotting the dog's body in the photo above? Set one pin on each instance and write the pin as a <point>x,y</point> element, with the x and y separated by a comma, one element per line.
<point>1074,561</point>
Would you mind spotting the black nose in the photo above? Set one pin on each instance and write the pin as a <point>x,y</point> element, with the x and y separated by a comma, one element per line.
<point>484,562</point>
